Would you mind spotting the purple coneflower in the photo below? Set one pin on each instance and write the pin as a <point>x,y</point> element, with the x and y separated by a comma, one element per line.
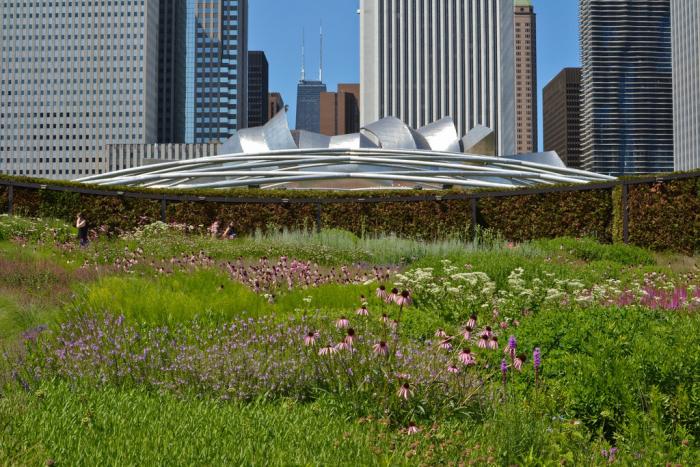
<point>393,324</point>
<point>518,362</point>
<point>445,344</point>
<point>342,323</point>
<point>381,348</point>
<point>344,345</point>
<point>327,350</point>
<point>392,296</point>
<point>412,429</point>
<point>487,332</point>
<point>452,369</point>
<point>483,342</point>
<point>504,325</point>
<point>403,299</point>
<point>350,338</point>
<point>493,343</point>
<point>466,357</point>
<point>362,311</point>
<point>310,338</point>
<point>381,293</point>
<point>472,321</point>
<point>467,333</point>
<point>384,318</point>
<point>440,333</point>
<point>404,391</point>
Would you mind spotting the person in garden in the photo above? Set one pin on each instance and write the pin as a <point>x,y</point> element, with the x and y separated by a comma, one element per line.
<point>81,225</point>
<point>214,228</point>
<point>229,233</point>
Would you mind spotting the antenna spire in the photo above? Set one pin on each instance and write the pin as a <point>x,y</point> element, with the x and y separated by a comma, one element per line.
<point>320,63</point>
<point>303,57</point>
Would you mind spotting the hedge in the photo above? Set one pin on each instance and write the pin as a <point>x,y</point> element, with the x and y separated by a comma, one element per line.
<point>662,215</point>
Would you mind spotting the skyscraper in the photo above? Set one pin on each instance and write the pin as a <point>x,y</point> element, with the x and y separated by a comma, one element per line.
<point>110,72</point>
<point>685,26</point>
<point>561,110</point>
<point>258,87</point>
<point>525,76</point>
<point>73,79</point>
<point>627,110</point>
<point>309,95</point>
<point>422,60</point>
<point>340,111</point>
<point>214,69</point>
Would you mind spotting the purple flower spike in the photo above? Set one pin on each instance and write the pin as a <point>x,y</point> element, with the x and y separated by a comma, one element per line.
<point>536,358</point>
<point>504,366</point>
<point>512,343</point>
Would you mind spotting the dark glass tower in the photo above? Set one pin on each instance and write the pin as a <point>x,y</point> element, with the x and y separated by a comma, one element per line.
<point>626,84</point>
<point>258,88</point>
<point>309,105</point>
<point>203,54</point>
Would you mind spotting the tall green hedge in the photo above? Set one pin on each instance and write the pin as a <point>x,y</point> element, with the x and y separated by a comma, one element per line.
<point>662,216</point>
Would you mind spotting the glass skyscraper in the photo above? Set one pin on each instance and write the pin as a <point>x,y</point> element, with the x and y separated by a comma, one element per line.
<point>627,110</point>
<point>309,105</point>
<point>213,69</point>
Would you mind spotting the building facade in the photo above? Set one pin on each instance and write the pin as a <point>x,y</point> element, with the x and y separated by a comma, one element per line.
<point>525,22</point>
<point>561,110</point>
<point>421,60</point>
<point>309,105</point>
<point>127,156</point>
<point>215,69</point>
<point>685,26</point>
<point>340,111</point>
<point>258,88</point>
<point>73,80</point>
<point>626,84</point>
<point>275,103</point>
<point>76,79</point>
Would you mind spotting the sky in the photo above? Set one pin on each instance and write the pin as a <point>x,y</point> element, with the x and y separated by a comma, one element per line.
<point>276,28</point>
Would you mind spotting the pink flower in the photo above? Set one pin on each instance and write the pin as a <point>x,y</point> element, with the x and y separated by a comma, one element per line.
<point>472,321</point>
<point>412,429</point>
<point>493,343</point>
<point>384,318</point>
<point>362,311</point>
<point>393,324</point>
<point>445,344</point>
<point>350,338</point>
<point>392,296</point>
<point>440,333</point>
<point>381,293</point>
<point>381,348</point>
<point>487,332</point>
<point>327,350</point>
<point>342,323</point>
<point>518,362</point>
<point>483,342</point>
<point>466,357</point>
<point>343,346</point>
<point>467,333</point>
<point>452,369</point>
<point>310,338</point>
<point>404,391</point>
<point>403,299</point>
<point>504,325</point>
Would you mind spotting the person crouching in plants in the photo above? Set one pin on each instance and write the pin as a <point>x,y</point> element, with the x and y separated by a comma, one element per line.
<point>214,228</point>
<point>229,233</point>
<point>81,225</point>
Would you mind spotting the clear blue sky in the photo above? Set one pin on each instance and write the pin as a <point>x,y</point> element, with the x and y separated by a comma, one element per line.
<point>276,27</point>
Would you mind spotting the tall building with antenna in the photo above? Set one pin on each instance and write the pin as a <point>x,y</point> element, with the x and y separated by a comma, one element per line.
<point>309,93</point>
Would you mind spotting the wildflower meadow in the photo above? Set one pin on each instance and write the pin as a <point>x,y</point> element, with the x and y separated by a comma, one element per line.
<point>164,346</point>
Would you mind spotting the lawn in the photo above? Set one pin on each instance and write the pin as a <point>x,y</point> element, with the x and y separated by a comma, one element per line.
<point>161,347</point>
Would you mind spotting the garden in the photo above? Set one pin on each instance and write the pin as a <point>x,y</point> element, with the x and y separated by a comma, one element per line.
<point>164,345</point>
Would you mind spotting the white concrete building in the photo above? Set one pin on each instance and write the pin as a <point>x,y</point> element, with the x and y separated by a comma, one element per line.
<point>422,60</point>
<point>685,31</point>
<point>73,78</point>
